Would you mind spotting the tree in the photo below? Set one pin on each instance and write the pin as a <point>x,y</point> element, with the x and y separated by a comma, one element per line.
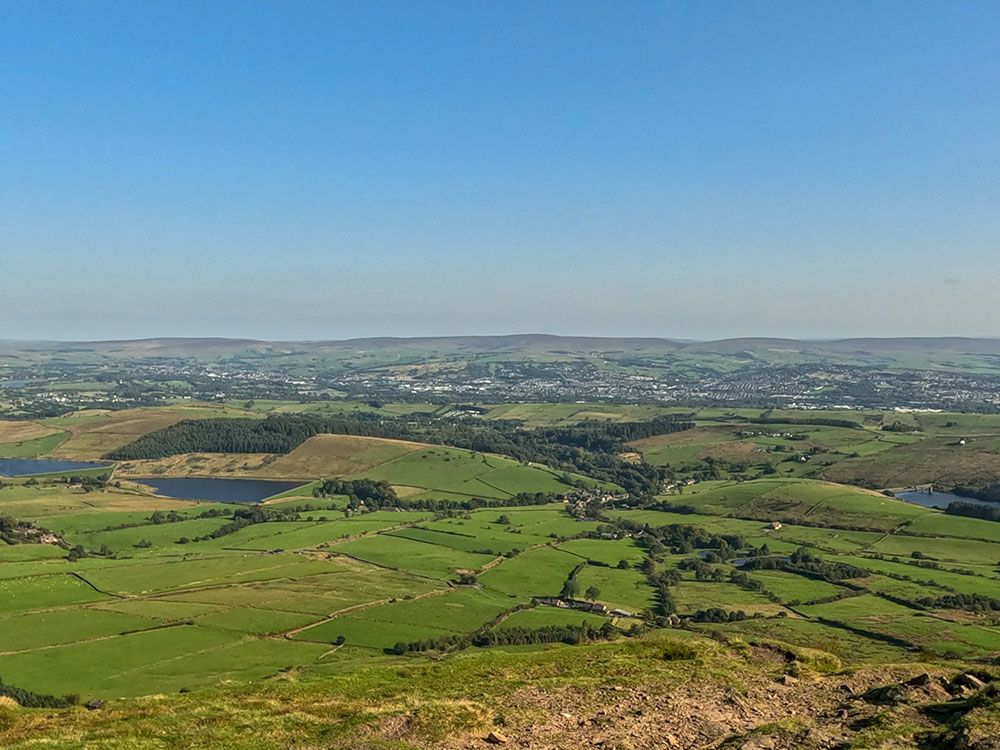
<point>592,594</point>
<point>623,565</point>
<point>570,589</point>
<point>504,520</point>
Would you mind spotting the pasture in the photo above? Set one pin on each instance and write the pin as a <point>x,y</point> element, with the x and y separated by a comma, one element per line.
<point>149,614</point>
<point>619,589</point>
<point>464,473</point>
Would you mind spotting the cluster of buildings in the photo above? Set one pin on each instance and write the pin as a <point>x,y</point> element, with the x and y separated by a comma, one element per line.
<point>593,607</point>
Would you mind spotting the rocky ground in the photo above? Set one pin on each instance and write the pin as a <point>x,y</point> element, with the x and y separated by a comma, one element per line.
<point>899,707</point>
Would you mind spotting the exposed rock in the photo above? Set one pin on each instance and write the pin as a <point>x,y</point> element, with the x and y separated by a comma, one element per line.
<point>969,680</point>
<point>978,739</point>
<point>495,738</point>
<point>919,681</point>
<point>884,695</point>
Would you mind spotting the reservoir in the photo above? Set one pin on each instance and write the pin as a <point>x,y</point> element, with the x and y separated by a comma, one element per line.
<point>217,490</point>
<point>941,499</point>
<point>21,467</point>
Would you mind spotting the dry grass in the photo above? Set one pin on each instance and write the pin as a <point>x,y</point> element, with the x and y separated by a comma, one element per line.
<point>92,438</point>
<point>338,455</point>
<point>198,464</point>
<point>17,432</point>
<point>934,460</point>
<point>53,503</point>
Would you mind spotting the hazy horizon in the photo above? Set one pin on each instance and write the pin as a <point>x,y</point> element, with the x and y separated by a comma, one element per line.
<point>337,170</point>
<point>671,339</point>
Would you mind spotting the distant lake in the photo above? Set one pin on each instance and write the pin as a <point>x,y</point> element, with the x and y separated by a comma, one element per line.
<point>217,490</point>
<point>20,467</point>
<point>941,499</point>
<point>13,383</point>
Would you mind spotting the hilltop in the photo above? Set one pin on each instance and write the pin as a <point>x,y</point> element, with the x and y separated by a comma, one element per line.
<point>906,352</point>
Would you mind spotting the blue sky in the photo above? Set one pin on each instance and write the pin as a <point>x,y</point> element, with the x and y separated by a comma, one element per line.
<point>303,170</point>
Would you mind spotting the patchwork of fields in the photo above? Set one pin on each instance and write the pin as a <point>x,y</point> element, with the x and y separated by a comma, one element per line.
<point>151,607</point>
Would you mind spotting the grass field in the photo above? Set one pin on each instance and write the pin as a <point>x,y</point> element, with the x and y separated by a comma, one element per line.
<point>792,588</point>
<point>609,552</point>
<point>538,572</point>
<point>803,501</point>
<point>382,626</point>
<point>935,460</point>
<point>339,455</point>
<point>43,592</point>
<point>690,596</point>
<point>465,473</point>
<point>157,616</point>
<point>14,432</point>
<point>411,556</point>
<point>34,447</point>
<point>620,589</point>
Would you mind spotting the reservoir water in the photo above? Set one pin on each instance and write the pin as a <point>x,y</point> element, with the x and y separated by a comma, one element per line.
<point>21,467</point>
<point>217,490</point>
<point>941,499</point>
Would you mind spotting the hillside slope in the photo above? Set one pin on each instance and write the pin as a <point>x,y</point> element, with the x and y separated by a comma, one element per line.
<point>655,693</point>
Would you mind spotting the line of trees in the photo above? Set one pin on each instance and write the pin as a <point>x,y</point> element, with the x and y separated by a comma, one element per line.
<point>243,517</point>
<point>818,421</point>
<point>375,495</point>
<point>803,561</point>
<point>569,634</point>
<point>974,510</point>
<point>590,448</point>
<point>967,602</point>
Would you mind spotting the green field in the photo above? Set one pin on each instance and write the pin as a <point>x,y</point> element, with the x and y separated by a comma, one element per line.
<point>382,626</point>
<point>792,588</point>
<point>538,572</point>
<point>138,613</point>
<point>620,589</point>
<point>464,473</point>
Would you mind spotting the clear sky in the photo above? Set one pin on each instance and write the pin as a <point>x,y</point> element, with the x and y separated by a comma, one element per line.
<point>688,169</point>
